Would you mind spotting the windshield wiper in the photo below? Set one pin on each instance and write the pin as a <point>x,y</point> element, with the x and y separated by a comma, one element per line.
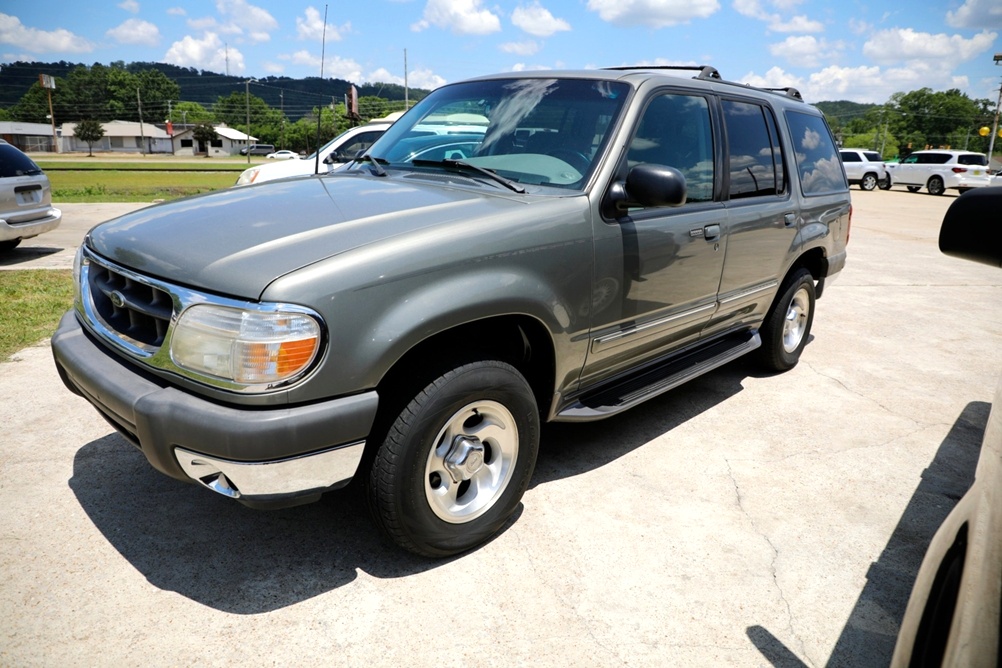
<point>376,166</point>
<point>463,165</point>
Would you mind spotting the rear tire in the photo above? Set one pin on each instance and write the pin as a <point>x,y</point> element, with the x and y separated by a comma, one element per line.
<point>884,183</point>
<point>912,189</point>
<point>935,186</point>
<point>456,461</point>
<point>788,326</point>
<point>868,182</point>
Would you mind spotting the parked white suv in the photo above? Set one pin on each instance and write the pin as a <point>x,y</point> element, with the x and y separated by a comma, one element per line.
<point>341,149</point>
<point>940,170</point>
<point>863,167</point>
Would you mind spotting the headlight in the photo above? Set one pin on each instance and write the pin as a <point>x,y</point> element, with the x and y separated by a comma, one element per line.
<point>248,176</point>
<point>245,346</point>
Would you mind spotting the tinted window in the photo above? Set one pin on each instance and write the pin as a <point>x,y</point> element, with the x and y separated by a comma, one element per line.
<point>850,156</point>
<point>675,131</point>
<point>752,155</point>
<point>933,158</point>
<point>873,156</point>
<point>360,142</point>
<point>15,163</point>
<point>973,159</point>
<point>820,171</point>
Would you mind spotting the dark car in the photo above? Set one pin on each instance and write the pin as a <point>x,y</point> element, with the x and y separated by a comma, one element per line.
<point>25,199</point>
<point>953,616</point>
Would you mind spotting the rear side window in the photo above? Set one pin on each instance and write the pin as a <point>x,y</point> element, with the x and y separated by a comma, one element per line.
<point>15,163</point>
<point>817,161</point>
<point>850,156</point>
<point>756,164</point>
<point>973,159</point>
<point>873,157</point>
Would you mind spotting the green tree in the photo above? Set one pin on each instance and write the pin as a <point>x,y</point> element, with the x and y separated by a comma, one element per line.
<point>33,107</point>
<point>204,134</point>
<point>191,112</point>
<point>90,131</point>
<point>265,122</point>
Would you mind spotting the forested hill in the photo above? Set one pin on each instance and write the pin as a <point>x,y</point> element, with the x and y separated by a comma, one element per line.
<point>296,96</point>
<point>843,111</point>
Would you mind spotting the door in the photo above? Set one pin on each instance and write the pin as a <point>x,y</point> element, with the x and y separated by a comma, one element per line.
<point>658,269</point>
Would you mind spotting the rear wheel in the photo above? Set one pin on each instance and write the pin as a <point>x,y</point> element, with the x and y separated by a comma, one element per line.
<point>912,189</point>
<point>868,182</point>
<point>788,326</point>
<point>884,183</point>
<point>935,186</point>
<point>456,461</point>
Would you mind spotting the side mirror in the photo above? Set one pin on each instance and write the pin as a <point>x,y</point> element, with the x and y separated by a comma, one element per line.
<point>972,227</point>
<point>647,185</point>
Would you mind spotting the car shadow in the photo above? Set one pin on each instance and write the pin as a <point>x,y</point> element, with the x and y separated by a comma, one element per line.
<point>186,539</point>
<point>869,634</point>
<point>23,254</point>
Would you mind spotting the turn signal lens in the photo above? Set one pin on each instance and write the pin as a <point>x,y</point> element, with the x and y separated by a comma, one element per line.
<point>246,347</point>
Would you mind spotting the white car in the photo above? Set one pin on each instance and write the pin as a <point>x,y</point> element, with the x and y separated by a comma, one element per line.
<point>863,167</point>
<point>342,148</point>
<point>282,155</point>
<point>940,170</point>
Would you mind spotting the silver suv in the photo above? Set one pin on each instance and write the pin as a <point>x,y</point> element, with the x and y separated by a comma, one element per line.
<point>940,170</point>
<point>25,199</point>
<point>409,320</point>
<point>863,167</point>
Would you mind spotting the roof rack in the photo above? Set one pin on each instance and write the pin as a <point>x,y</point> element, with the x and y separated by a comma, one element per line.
<point>788,92</point>
<point>705,71</point>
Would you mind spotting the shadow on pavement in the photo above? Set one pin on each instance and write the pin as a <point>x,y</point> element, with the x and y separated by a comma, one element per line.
<point>186,539</point>
<point>23,254</point>
<point>869,634</point>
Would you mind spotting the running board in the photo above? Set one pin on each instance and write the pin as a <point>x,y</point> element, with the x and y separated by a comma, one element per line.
<point>627,392</point>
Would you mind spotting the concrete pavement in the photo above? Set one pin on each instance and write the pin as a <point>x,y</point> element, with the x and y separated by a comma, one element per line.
<point>739,520</point>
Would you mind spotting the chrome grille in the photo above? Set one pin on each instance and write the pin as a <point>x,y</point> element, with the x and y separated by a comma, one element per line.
<point>134,310</point>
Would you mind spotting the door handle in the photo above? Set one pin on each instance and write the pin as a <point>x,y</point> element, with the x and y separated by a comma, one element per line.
<point>711,232</point>
<point>790,220</point>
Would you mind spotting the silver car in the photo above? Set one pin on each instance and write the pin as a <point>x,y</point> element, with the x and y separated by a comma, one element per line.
<point>25,199</point>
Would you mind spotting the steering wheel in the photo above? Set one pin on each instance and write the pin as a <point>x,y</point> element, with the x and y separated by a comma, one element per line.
<point>575,159</point>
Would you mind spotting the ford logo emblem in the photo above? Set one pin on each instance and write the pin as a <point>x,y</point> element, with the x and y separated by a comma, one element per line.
<point>117,299</point>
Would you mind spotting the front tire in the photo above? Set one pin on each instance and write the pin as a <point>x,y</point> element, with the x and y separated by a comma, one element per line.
<point>788,326</point>
<point>884,183</point>
<point>868,182</point>
<point>457,460</point>
<point>935,186</point>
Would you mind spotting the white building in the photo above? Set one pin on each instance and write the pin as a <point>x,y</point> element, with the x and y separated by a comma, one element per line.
<point>228,141</point>
<point>120,136</point>
<point>29,137</point>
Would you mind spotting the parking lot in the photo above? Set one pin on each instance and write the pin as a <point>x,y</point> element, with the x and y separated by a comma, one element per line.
<point>741,519</point>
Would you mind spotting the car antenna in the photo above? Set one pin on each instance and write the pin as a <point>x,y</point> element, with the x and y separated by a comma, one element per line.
<point>320,111</point>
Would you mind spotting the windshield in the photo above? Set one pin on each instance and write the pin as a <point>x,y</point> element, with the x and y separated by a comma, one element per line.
<point>530,131</point>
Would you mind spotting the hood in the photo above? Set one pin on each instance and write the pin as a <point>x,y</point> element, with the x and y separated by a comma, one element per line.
<point>237,241</point>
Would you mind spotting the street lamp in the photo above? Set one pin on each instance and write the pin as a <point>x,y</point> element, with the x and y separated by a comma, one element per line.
<point>995,124</point>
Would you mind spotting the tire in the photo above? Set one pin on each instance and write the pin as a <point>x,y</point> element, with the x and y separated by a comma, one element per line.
<point>868,182</point>
<point>788,326</point>
<point>912,189</point>
<point>9,245</point>
<point>456,461</point>
<point>884,183</point>
<point>935,186</point>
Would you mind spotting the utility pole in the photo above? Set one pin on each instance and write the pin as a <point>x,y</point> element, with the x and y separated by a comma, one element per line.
<point>281,103</point>
<point>48,83</point>
<point>247,103</point>
<point>995,124</point>
<point>142,136</point>
<point>406,101</point>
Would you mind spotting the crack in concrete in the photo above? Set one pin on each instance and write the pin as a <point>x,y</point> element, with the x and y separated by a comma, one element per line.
<point>772,565</point>
<point>860,394</point>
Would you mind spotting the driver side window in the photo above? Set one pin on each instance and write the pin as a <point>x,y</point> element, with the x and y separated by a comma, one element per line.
<point>675,132</point>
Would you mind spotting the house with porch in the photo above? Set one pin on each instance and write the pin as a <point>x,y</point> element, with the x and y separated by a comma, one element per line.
<point>119,137</point>
<point>228,141</point>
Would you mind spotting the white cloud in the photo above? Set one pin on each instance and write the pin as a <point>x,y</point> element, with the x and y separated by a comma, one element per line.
<point>15,33</point>
<point>976,14</point>
<point>208,53</point>
<point>311,27</point>
<point>796,24</point>
<point>420,78</point>
<point>537,20</point>
<point>899,45</point>
<point>334,66</point>
<point>136,31</point>
<point>463,17</point>
<point>522,67</point>
<point>753,9</point>
<point>273,68</point>
<point>177,11</point>
<point>858,27</point>
<point>129,6</point>
<point>806,50</point>
<point>527,48</point>
<point>246,19</point>
<point>652,13</point>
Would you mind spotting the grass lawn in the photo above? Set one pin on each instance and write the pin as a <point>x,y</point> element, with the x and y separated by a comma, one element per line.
<point>125,185</point>
<point>31,301</point>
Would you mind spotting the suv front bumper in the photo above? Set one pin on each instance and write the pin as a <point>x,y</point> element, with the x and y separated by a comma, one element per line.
<point>260,456</point>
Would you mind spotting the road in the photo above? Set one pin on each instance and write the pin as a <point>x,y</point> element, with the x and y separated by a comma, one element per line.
<point>742,519</point>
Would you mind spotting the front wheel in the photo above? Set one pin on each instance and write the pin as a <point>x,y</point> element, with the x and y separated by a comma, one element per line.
<point>788,326</point>
<point>868,182</point>
<point>935,186</point>
<point>884,183</point>
<point>456,461</point>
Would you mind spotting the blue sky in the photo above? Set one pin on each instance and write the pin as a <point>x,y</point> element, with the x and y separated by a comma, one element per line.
<point>843,49</point>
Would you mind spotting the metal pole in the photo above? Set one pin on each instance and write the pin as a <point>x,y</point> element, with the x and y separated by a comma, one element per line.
<point>142,136</point>
<point>995,129</point>
<point>247,103</point>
